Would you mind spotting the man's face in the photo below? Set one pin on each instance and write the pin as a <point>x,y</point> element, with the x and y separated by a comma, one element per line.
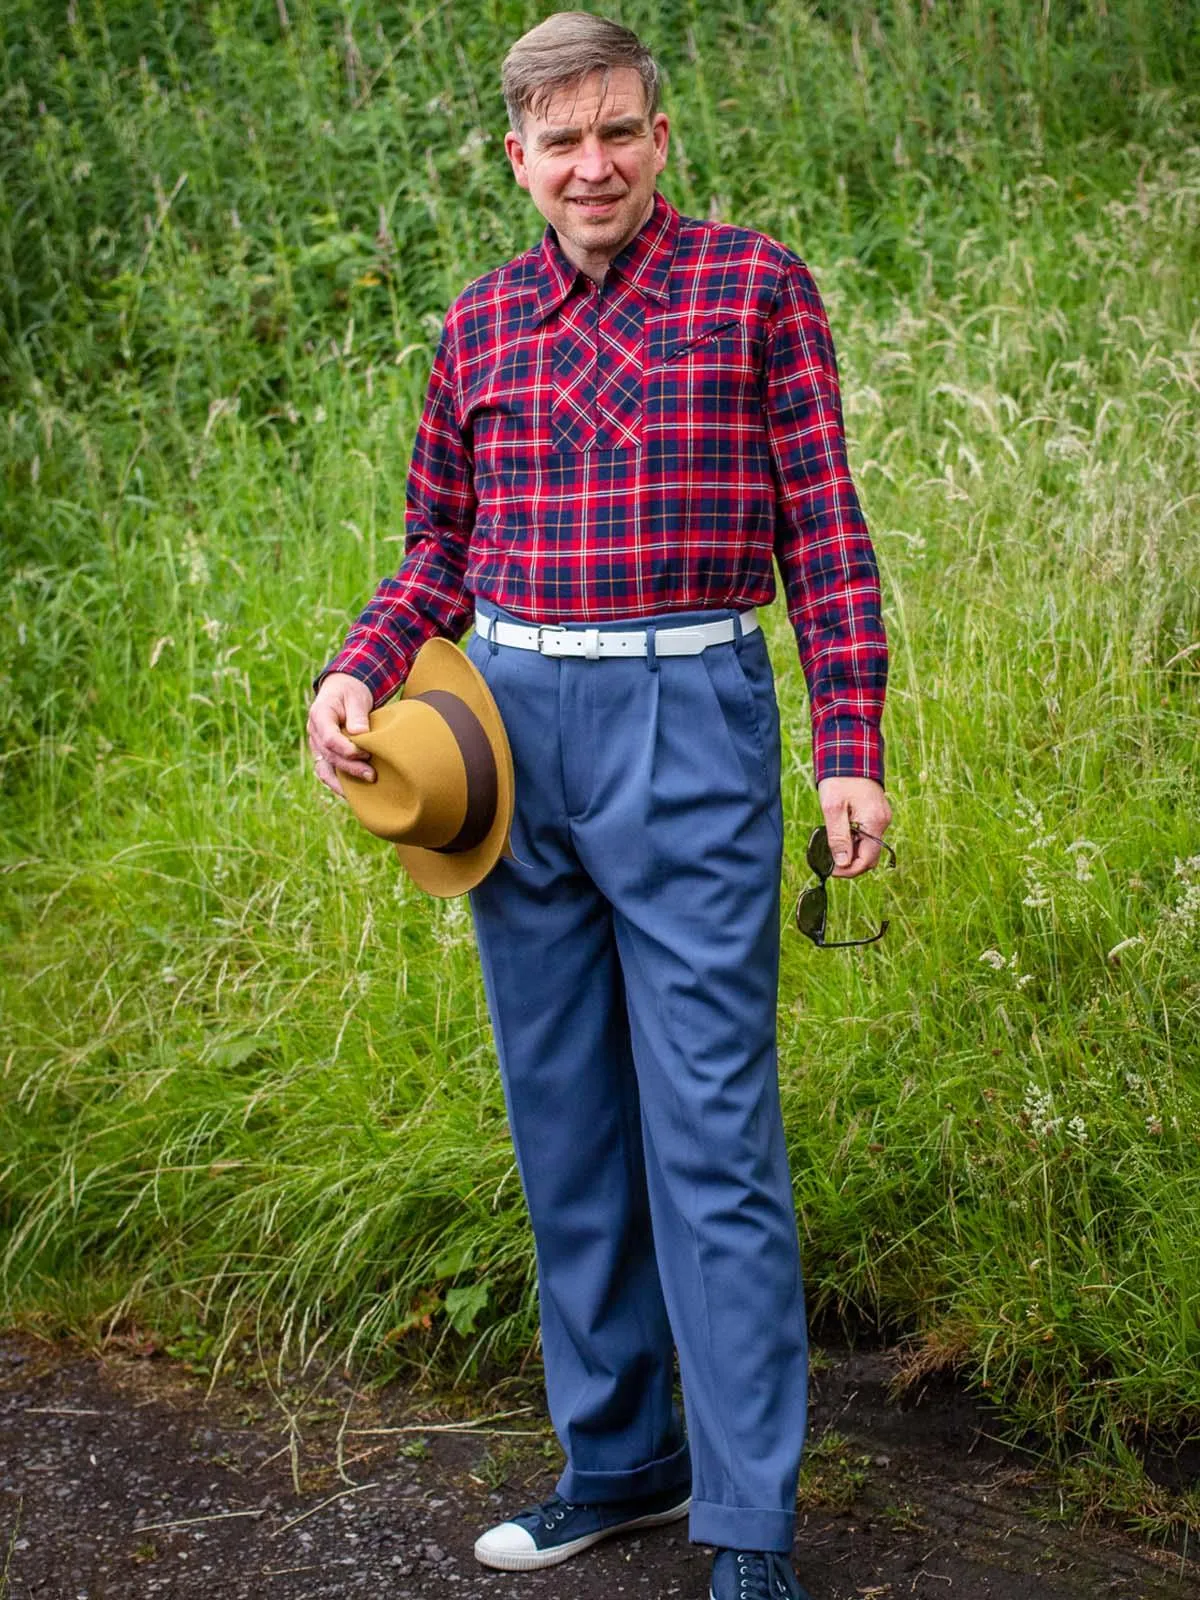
<point>590,162</point>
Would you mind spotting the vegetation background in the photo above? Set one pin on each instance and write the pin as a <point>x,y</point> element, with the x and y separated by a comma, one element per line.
<point>248,1088</point>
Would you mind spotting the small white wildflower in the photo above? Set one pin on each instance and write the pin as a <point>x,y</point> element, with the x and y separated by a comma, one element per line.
<point>1079,848</point>
<point>993,959</point>
<point>1154,1125</point>
<point>1077,1128</point>
<point>1185,913</point>
<point>211,627</point>
<point>1038,1108</point>
<point>1023,979</point>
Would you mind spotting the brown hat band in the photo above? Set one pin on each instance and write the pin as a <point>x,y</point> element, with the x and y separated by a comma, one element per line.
<point>476,750</point>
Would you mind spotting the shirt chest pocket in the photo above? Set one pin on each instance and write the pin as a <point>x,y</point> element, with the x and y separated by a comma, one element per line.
<point>699,373</point>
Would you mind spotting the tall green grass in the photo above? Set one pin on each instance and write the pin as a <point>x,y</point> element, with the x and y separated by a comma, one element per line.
<point>247,1075</point>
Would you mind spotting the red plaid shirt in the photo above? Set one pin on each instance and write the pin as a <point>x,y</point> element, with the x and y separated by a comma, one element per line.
<point>588,453</point>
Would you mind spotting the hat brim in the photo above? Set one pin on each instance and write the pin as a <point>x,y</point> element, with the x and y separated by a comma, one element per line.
<point>442,665</point>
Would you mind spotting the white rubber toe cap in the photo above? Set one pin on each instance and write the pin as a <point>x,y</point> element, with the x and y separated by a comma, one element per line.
<point>506,1543</point>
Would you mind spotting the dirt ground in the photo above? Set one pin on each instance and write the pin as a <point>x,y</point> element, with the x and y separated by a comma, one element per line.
<point>121,1479</point>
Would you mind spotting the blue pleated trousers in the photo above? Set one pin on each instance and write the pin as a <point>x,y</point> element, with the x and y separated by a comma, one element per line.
<point>630,957</point>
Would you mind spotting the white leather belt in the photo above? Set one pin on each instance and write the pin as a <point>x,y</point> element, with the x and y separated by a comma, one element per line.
<point>592,644</point>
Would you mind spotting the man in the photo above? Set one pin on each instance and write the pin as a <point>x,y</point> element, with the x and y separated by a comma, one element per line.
<point>622,427</point>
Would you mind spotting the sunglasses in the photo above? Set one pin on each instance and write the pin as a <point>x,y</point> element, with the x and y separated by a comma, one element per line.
<point>813,904</point>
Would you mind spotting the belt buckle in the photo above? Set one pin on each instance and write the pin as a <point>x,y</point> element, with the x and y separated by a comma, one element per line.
<point>548,627</point>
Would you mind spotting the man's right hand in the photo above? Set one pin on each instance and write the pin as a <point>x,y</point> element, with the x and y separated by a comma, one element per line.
<point>342,706</point>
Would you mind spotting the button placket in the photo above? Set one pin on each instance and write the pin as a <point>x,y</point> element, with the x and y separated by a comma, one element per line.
<point>573,402</point>
<point>598,364</point>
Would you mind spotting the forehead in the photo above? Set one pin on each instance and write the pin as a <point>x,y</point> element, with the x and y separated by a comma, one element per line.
<point>591,100</point>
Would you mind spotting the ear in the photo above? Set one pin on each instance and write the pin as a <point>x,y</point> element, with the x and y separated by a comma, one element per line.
<point>660,132</point>
<point>515,151</point>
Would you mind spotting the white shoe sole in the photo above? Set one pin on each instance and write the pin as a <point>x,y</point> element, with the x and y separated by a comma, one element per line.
<point>535,1560</point>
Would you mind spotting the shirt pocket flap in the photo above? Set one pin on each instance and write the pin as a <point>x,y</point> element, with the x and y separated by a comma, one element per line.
<point>699,337</point>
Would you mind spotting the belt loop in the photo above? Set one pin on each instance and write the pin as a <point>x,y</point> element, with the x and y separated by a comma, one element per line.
<point>651,652</point>
<point>737,631</point>
<point>490,636</point>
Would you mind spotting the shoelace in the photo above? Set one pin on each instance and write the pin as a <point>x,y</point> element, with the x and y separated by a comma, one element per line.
<point>551,1511</point>
<point>760,1576</point>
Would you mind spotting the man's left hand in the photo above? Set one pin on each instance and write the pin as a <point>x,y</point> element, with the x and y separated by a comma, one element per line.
<point>857,800</point>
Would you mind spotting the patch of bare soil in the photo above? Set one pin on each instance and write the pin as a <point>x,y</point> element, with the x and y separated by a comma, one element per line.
<point>121,1479</point>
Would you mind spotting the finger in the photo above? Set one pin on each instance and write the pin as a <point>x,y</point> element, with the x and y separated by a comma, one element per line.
<point>342,753</point>
<point>841,844</point>
<point>328,776</point>
<point>325,736</point>
<point>866,855</point>
<point>329,744</point>
<point>359,767</point>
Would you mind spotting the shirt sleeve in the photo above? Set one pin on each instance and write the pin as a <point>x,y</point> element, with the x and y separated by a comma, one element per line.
<point>427,596</point>
<point>830,576</point>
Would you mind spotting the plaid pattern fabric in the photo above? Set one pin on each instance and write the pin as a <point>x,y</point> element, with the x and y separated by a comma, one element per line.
<point>588,453</point>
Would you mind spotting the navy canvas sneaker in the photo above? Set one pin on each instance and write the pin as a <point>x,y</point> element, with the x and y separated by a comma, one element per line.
<point>754,1575</point>
<point>556,1530</point>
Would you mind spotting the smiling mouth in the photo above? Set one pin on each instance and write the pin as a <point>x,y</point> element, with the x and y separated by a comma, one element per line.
<point>594,202</point>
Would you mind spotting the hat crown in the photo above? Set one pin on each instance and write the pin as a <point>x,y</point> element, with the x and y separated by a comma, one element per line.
<point>435,774</point>
<point>443,782</point>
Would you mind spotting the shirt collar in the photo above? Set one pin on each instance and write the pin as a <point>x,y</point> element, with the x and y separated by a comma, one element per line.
<point>644,263</point>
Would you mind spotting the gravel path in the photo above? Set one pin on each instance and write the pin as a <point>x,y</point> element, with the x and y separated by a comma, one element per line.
<point>121,1480</point>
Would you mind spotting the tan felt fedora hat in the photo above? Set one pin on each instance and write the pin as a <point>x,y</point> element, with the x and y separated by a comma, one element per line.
<point>443,789</point>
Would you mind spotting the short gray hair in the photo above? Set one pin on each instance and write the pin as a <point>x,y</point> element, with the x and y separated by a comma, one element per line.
<point>564,50</point>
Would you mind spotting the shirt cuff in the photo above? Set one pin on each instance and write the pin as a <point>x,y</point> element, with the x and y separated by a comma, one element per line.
<point>334,667</point>
<point>847,747</point>
<point>383,673</point>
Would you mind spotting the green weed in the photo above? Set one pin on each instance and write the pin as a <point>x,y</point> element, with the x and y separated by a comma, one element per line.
<point>832,1474</point>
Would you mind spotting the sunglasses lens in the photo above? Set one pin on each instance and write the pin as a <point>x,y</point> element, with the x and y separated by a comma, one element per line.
<point>810,913</point>
<point>820,856</point>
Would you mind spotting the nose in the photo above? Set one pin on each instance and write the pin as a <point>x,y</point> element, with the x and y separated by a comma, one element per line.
<point>594,164</point>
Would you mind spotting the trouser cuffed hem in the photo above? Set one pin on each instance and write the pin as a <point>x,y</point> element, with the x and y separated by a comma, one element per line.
<point>741,1527</point>
<point>655,1477</point>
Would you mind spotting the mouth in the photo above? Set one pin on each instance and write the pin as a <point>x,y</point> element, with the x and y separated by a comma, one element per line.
<point>603,202</point>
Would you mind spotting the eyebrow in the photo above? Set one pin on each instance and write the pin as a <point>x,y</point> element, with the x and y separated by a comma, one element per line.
<point>617,125</point>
